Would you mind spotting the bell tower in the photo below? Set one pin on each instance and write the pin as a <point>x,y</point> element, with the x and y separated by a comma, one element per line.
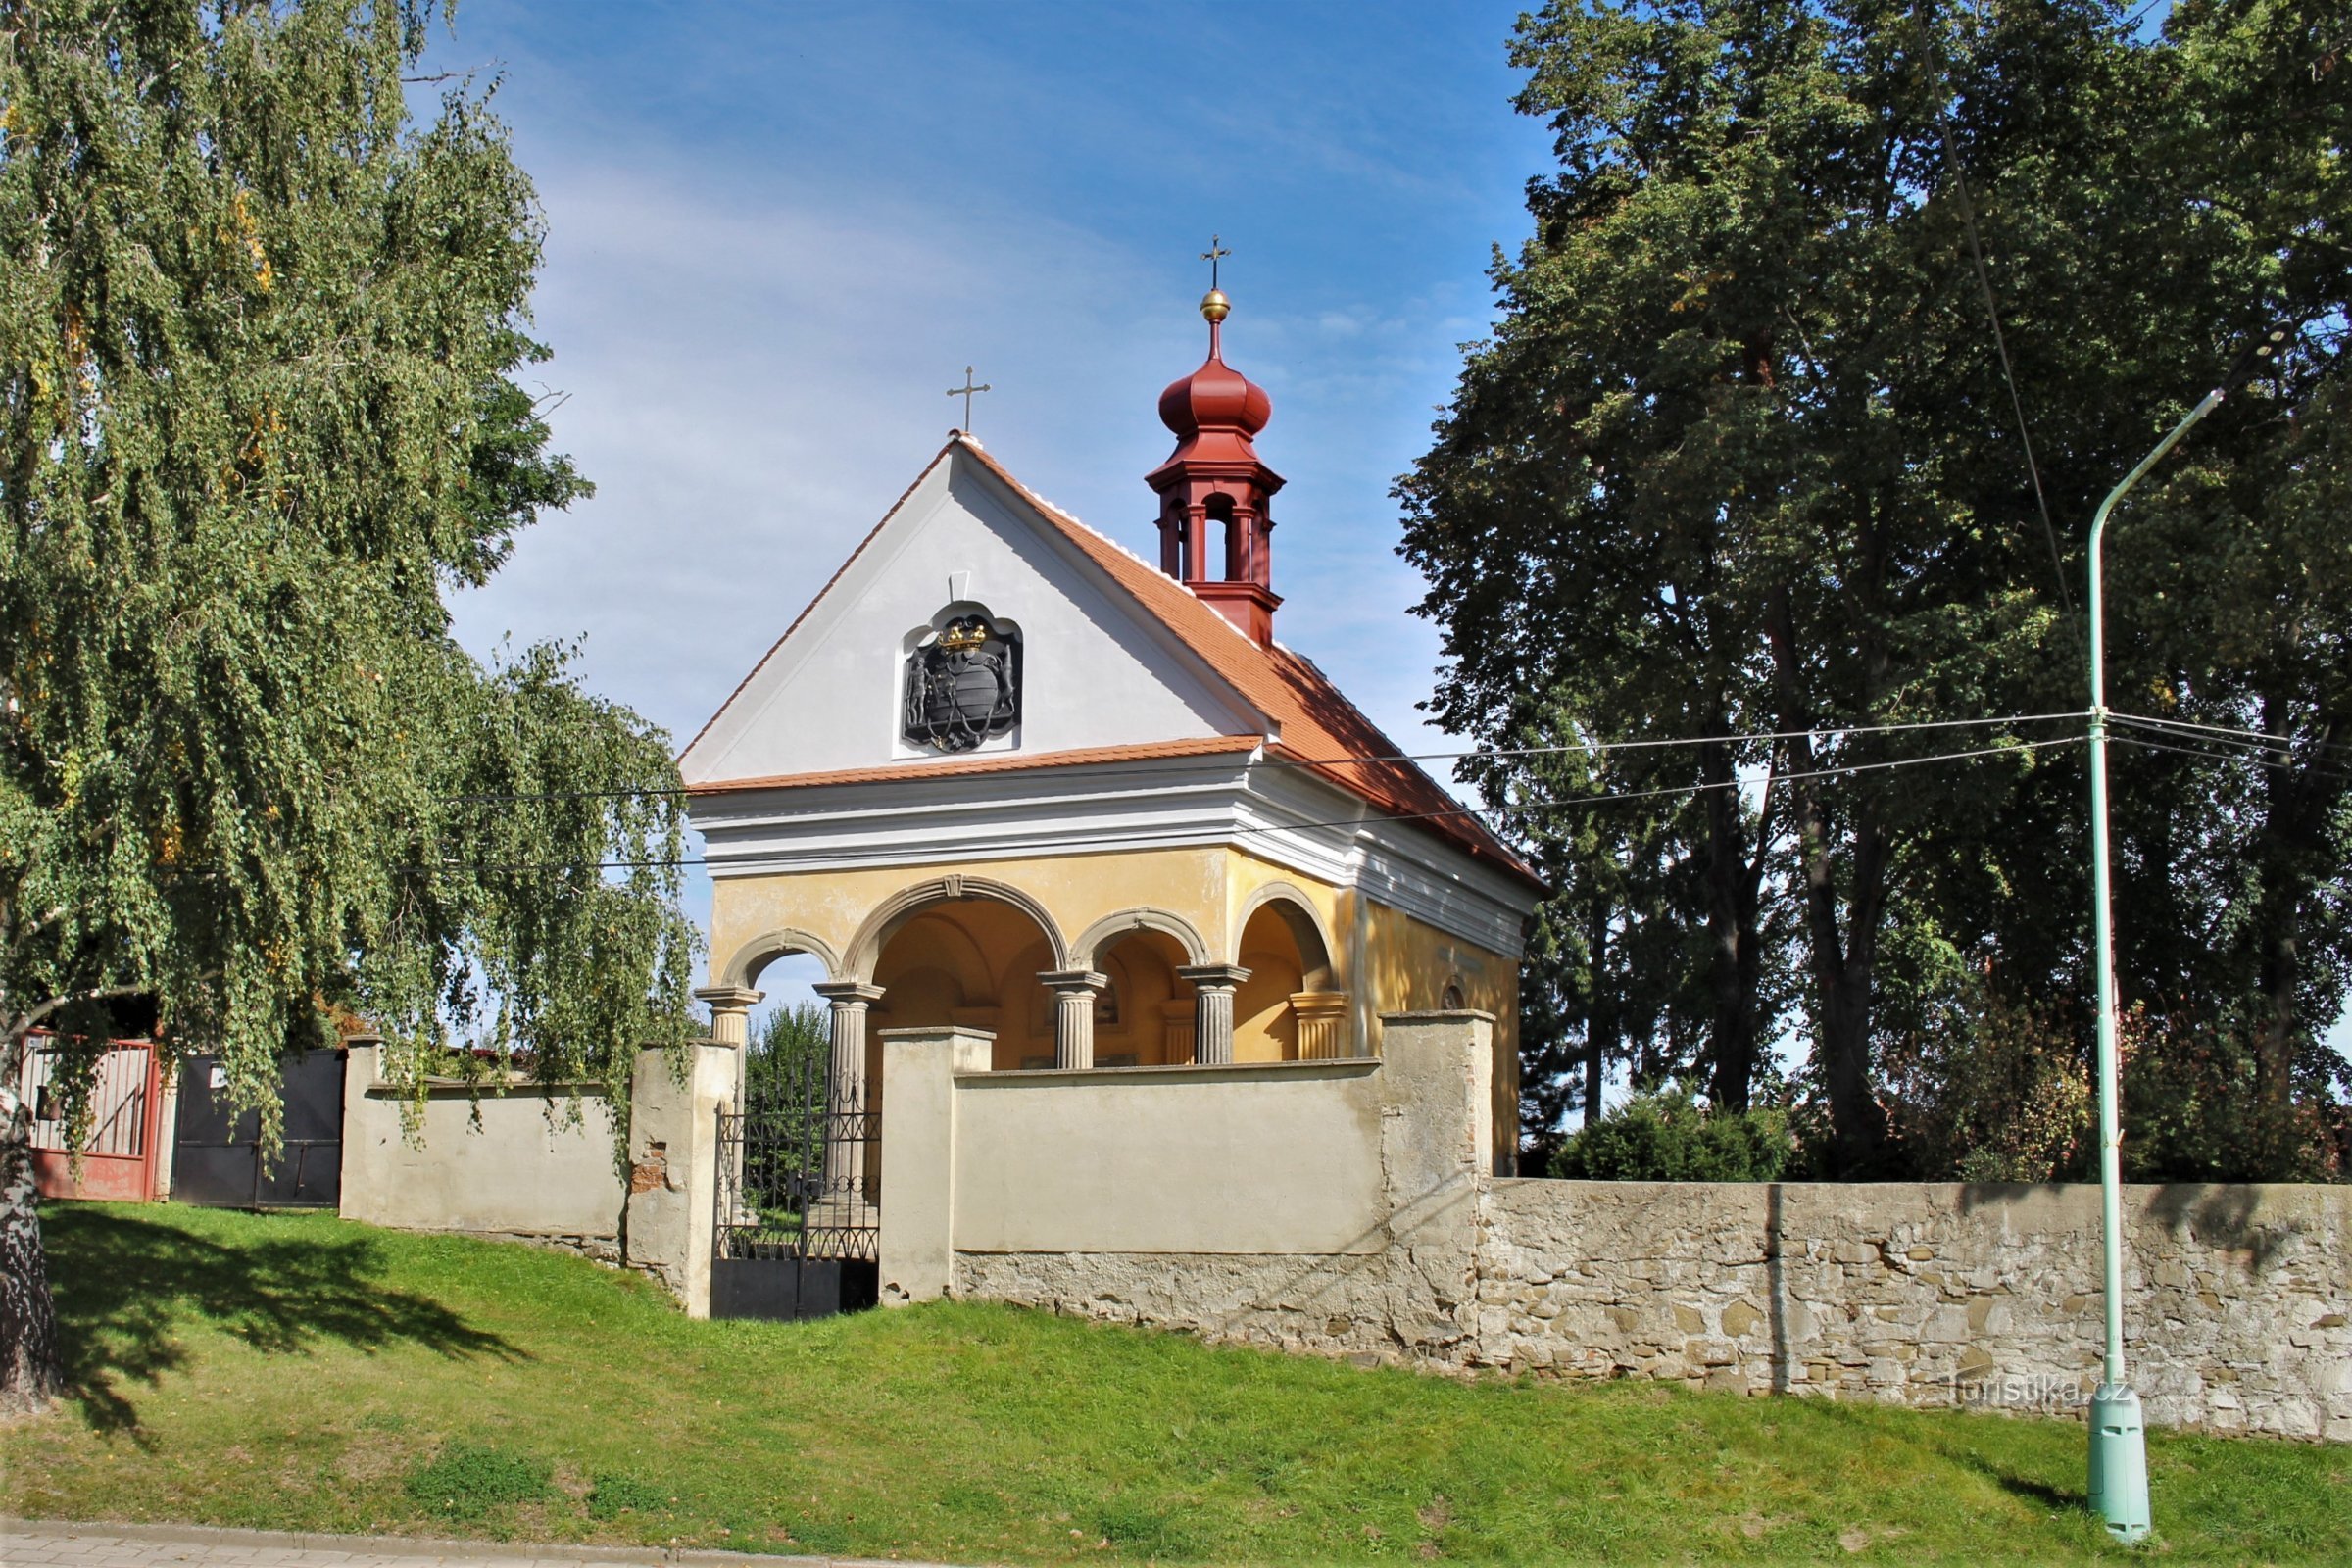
<point>1214,526</point>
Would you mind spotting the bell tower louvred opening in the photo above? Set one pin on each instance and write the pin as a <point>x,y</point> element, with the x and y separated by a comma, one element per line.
<point>1214,526</point>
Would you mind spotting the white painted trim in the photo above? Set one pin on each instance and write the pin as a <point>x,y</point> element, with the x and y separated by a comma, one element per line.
<point>1281,815</point>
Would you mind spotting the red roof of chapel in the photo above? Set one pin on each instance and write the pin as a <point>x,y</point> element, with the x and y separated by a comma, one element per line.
<point>1321,729</point>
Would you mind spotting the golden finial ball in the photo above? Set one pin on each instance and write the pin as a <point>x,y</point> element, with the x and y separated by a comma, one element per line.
<point>1214,306</point>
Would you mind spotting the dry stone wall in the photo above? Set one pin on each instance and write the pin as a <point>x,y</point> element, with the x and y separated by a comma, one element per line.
<point>1918,1294</point>
<point>1930,1294</point>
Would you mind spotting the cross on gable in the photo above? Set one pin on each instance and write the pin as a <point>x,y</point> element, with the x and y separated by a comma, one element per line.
<point>965,392</point>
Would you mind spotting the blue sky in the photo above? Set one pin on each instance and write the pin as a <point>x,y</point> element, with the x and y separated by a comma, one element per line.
<point>778,233</point>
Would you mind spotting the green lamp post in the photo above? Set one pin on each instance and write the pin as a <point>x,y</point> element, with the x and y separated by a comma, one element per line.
<point>2119,1454</point>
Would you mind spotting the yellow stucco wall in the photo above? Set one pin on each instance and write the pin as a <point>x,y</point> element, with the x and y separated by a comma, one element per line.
<point>1076,890</point>
<point>1387,960</point>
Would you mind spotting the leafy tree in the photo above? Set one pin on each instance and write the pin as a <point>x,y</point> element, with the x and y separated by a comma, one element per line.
<point>1742,458</point>
<point>1667,1134</point>
<point>258,334</point>
<point>785,1092</point>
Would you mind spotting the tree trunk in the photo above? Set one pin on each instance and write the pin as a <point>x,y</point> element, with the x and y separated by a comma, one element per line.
<point>31,1369</point>
<point>1843,950</point>
<point>1731,926</point>
<point>1600,1012</point>
<point>2291,841</point>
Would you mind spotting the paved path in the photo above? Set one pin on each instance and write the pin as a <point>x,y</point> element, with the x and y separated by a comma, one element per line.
<point>40,1544</point>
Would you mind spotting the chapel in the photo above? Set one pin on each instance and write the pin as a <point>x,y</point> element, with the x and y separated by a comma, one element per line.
<point>1004,774</point>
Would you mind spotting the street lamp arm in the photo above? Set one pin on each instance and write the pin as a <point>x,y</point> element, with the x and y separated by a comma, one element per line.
<point>2098,529</point>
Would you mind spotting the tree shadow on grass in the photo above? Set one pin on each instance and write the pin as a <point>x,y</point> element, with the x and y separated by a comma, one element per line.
<point>126,1286</point>
<point>1954,1447</point>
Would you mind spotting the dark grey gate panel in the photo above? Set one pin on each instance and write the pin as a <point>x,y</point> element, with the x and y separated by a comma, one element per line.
<point>215,1160</point>
<point>799,1176</point>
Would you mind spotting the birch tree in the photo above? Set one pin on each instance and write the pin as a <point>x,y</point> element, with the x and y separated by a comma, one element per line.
<point>260,341</point>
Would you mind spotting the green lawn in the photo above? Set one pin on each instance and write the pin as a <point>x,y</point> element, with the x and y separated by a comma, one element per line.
<point>301,1373</point>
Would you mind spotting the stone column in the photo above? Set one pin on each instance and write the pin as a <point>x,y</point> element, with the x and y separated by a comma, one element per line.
<point>1213,985</point>
<point>1176,1028</point>
<point>1074,992</point>
<point>849,1000</point>
<point>847,1091</point>
<point>1322,1017</point>
<point>730,1007</point>
<point>731,1027</point>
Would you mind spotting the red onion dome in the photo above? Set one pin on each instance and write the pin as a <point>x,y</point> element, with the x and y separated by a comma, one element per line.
<point>1216,396</point>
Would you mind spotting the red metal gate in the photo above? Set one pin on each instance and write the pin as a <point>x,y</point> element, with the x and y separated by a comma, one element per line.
<point>119,1160</point>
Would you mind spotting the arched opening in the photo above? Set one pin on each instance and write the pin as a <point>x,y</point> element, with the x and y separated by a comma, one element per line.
<point>1286,1011</point>
<point>972,961</point>
<point>1221,519</point>
<point>1145,1018</point>
<point>791,1023</point>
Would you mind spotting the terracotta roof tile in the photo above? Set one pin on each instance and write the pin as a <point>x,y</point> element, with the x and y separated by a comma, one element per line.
<point>1319,724</point>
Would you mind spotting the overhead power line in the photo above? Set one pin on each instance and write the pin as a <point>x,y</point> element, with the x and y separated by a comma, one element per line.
<point>1598,749</point>
<point>2281,743</point>
<point>2246,755</point>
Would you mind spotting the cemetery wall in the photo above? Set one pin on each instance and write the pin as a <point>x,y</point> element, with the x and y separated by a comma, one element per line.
<point>517,1165</point>
<point>1916,1294</point>
<point>2238,1311</point>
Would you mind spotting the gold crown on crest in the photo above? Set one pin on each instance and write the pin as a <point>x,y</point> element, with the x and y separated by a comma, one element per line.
<point>963,636</point>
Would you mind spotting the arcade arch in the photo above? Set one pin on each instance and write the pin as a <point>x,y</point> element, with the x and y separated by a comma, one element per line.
<point>1286,1009</point>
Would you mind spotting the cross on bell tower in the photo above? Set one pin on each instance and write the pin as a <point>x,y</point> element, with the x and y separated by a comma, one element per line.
<point>1214,488</point>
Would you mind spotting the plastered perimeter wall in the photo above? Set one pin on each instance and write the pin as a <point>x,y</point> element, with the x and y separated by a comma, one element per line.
<point>1279,1157</point>
<point>527,1170</point>
<point>1324,1206</point>
<point>1114,1197</point>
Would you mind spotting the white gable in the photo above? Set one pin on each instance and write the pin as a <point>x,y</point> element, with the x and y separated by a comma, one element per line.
<point>1095,670</point>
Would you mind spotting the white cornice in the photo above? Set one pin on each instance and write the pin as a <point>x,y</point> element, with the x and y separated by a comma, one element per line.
<point>1282,815</point>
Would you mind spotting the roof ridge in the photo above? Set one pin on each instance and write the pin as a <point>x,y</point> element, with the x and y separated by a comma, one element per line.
<point>818,596</point>
<point>1072,519</point>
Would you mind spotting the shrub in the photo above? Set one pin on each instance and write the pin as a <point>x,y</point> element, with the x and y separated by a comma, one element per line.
<point>1992,1091</point>
<point>2192,1111</point>
<point>1668,1136</point>
<point>465,1481</point>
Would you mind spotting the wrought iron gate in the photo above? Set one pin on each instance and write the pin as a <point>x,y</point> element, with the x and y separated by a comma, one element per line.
<point>799,1218</point>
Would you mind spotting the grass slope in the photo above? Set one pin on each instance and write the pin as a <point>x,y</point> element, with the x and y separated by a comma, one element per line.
<point>301,1373</point>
